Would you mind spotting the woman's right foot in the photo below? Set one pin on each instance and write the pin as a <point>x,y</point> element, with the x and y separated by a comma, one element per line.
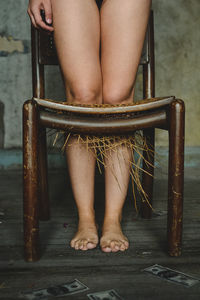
<point>86,236</point>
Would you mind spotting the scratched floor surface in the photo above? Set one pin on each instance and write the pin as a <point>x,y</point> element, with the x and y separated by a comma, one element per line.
<point>99,271</point>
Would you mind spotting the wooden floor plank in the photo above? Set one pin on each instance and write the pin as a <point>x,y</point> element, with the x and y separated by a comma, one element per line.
<point>100,271</point>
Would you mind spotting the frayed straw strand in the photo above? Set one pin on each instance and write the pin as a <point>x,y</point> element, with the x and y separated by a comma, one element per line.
<point>103,146</point>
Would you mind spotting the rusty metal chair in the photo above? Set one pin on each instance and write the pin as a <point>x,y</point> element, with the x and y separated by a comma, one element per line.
<point>166,113</point>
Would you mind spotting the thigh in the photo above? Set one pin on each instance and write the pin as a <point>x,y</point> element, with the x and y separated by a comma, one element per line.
<point>123,28</point>
<point>77,39</point>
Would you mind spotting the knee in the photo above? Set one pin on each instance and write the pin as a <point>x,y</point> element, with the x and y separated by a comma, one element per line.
<point>84,94</point>
<point>117,95</point>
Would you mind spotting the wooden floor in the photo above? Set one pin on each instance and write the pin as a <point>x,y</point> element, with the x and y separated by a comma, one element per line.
<point>99,271</point>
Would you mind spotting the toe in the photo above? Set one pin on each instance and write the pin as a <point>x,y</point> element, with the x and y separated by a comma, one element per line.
<point>85,242</point>
<point>106,249</point>
<point>105,246</point>
<point>76,244</point>
<point>91,245</point>
<point>115,246</point>
<point>126,243</point>
<point>81,245</point>
<point>72,244</point>
<point>122,247</point>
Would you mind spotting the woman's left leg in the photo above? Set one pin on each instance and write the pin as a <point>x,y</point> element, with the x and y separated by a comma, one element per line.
<point>123,28</point>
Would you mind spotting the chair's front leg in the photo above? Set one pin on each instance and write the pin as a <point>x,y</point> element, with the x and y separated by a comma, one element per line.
<point>30,179</point>
<point>44,211</point>
<point>176,177</point>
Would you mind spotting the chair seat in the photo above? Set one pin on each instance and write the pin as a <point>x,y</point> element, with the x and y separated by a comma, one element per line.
<point>104,118</point>
<point>142,105</point>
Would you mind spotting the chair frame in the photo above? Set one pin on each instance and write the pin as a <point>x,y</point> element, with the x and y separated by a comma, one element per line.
<point>166,113</point>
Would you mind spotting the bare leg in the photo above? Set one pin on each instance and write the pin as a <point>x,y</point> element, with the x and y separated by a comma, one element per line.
<point>123,27</point>
<point>81,164</point>
<point>116,180</point>
<point>77,38</point>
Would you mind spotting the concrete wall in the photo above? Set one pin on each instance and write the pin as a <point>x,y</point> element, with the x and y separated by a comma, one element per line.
<point>177,40</point>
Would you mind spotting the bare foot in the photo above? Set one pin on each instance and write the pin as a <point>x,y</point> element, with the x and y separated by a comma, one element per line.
<point>86,236</point>
<point>113,239</point>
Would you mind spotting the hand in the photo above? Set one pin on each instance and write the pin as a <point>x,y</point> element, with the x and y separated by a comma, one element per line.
<point>34,8</point>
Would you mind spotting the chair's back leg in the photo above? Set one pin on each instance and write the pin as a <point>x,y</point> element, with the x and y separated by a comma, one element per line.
<point>149,92</point>
<point>176,177</point>
<point>30,178</point>
<point>38,91</point>
<point>37,69</point>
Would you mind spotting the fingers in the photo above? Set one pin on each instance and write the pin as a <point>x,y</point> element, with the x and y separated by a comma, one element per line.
<point>36,19</point>
<point>48,12</point>
<point>32,20</point>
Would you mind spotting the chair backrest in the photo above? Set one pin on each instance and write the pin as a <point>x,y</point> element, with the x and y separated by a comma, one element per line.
<point>44,53</point>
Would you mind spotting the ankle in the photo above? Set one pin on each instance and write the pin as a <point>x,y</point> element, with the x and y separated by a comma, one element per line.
<point>87,217</point>
<point>113,216</point>
<point>112,219</point>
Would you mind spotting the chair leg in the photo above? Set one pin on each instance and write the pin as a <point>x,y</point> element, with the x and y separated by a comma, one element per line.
<point>30,180</point>
<point>147,180</point>
<point>44,213</point>
<point>176,177</point>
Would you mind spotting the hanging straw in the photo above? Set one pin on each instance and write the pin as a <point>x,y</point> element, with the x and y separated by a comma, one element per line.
<point>101,146</point>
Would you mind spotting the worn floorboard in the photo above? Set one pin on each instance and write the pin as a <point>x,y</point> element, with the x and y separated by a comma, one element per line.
<point>99,271</point>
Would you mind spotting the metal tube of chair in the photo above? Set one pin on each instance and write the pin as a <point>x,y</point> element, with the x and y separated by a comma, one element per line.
<point>30,179</point>
<point>176,177</point>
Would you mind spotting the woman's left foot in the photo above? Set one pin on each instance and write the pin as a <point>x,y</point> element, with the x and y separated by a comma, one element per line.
<point>113,239</point>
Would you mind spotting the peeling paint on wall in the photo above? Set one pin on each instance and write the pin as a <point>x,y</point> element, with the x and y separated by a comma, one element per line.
<point>9,45</point>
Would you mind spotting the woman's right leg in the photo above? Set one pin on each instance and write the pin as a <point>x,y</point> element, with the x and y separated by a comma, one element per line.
<point>77,39</point>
